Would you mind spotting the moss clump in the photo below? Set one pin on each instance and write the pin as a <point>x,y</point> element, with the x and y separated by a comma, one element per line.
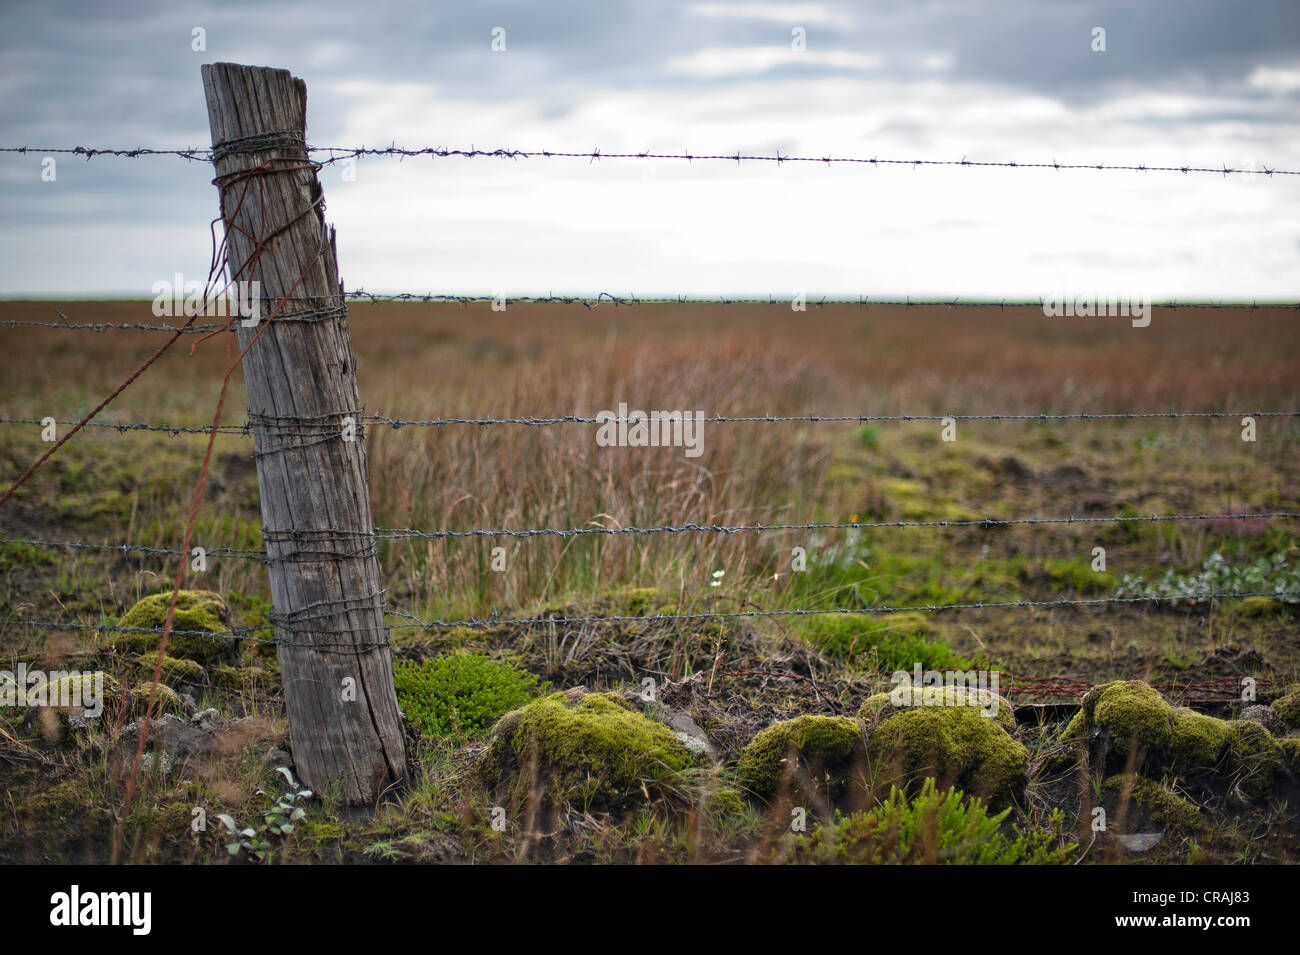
<point>1254,758</point>
<point>1160,804</point>
<point>70,700</point>
<point>590,750</point>
<point>165,700</point>
<point>1290,747</point>
<point>1141,726</point>
<point>1287,707</point>
<point>933,827</point>
<point>826,748</point>
<point>196,610</point>
<point>954,744</point>
<point>902,698</point>
<point>459,695</point>
<point>173,668</point>
<point>1258,606</point>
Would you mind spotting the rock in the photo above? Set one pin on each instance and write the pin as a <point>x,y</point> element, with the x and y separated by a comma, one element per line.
<point>194,746</point>
<point>1266,717</point>
<point>198,613</point>
<point>824,750</point>
<point>588,750</point>
<point>1139,841</point>
<point>684,727</point>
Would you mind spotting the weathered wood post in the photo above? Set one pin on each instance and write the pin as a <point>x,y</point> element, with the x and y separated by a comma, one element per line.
<point>344,723</point>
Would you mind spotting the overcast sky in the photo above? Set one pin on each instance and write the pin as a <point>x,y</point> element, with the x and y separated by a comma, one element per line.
<point>1179,82</point>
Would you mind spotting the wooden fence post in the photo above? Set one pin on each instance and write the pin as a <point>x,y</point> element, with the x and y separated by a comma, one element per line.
<point>345,726</point>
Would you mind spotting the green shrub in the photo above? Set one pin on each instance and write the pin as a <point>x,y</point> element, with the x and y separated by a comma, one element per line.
<point>933,827</point>
<point>459,695</point>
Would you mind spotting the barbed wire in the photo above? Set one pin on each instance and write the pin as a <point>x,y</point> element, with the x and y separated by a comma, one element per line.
<point>340,153</point>
<point>369,421</point>
<point>384,533</point>
<point>495,620</point>
<point>592,301</point>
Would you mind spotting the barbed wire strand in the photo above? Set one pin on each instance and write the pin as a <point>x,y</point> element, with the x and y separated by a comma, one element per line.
<point>593,301</point>
<point>382,533</point>
<point>341,153</point>
<point>495,620</point>
<point>248,428</point>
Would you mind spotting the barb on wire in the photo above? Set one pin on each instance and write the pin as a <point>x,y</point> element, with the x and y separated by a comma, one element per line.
<point>335,154</point>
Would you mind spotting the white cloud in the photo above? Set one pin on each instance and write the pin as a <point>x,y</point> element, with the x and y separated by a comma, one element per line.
<point>1275,80</point>
<point>795,14</point>
<point>733,61</point>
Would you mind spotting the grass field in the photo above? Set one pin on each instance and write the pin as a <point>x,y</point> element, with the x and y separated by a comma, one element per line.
<point>63,797</point>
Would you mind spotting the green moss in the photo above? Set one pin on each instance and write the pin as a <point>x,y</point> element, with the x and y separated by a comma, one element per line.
<point>1290,747</point>
<point>1077,576</point>
<point>461,694</point>
<point>1287,707</point>
<point>196,610</point>
<point>1254,758</point>
<point>18,554</point>
<point>1143,727</point>
<point>824,747</point>
<point>933,827</point>
<point>52,720</point>
<point>883,705</point>
<point>173,668</point>
<point>1258,606</point>
<point>1164,807</point>
<point>590,750</point>
<point>165,700</point>
<point>954,744</point>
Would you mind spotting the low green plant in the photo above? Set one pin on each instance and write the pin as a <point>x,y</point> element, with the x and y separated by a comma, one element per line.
<point>1275,575</point>
<point>460,695</point>
<point>933,827</point>
<point>276,821</point>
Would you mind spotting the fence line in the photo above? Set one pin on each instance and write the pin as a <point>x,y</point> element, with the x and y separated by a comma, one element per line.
<point>341,153</point>
<point>325,429</point>
<point>593,301</point>
<point>384,533</point>
<point>495,620</point>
